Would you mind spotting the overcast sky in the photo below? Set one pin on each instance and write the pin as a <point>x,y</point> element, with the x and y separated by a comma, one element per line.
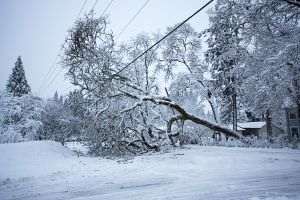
<point>35,30</point>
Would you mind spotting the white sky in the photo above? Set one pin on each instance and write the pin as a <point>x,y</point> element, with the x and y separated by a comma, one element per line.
<point>35,30</point>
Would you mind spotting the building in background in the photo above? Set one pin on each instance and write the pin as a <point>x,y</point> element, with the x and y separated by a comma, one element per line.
<point>259,129</point>
<point>293,123</point>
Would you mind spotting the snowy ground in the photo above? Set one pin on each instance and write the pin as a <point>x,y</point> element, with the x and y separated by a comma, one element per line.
<point>46,170</point>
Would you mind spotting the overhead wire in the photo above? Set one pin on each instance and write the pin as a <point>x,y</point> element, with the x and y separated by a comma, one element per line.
<point>81,9</point>
<point>163,38</point>
<point>106,8</point>
<point>156,43</point>
<point>93,7</point>
<point>52,67</point>
<point>133,18</point>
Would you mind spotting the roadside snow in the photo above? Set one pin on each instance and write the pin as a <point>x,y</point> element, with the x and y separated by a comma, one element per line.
<point>47,170</point>
<point>33,159</point>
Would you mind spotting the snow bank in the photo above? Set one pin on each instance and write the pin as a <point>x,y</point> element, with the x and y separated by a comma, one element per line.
<point>34,158</point>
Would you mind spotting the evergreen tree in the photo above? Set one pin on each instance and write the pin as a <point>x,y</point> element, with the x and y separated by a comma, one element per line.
<point>55,97</point>
<point>225,54</point>
<point>17,83</point>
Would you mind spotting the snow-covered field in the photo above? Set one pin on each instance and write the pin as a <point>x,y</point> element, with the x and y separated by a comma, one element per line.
<point>46,170</point>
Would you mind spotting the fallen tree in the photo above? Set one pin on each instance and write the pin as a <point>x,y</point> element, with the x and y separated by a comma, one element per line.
<point>126,111</point>
<point>184,115</point>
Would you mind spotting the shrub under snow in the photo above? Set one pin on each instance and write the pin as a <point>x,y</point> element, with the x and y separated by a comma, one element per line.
<point>19,117</point>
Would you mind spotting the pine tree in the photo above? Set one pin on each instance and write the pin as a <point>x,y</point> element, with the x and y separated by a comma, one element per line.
<point>17,83</point>
<point>226,56</point>
<point>55,97</point>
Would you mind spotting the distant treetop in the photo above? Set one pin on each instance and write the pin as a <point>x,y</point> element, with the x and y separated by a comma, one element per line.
<point>17,83</point>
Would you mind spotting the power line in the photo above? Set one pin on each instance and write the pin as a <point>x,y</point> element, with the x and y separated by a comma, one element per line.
<point>49,71</point>
<point>55,76</point>
<point>164,37</point>
<point>133,18</point>
<point>107,7</point>
<point>155,44</point>
<point>93,7</point>
<point>52,67</point>
<point>81,9</point>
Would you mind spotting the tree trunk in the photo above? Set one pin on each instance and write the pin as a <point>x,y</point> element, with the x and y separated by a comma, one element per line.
<point>234,112</point>
<point>216,135</point>
<point>288,125</point>
<point>269,124</point>
<point>298,109</point>
<point>187,116</point>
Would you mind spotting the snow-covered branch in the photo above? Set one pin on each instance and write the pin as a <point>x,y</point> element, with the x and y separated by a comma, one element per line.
<point>184,115</point>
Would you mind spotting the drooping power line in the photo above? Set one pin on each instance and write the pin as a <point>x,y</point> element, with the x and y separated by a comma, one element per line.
<point>155,44</point>
<point>164,37</point>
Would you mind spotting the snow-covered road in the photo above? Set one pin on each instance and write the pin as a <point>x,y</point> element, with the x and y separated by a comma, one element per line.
<point>46,170</point>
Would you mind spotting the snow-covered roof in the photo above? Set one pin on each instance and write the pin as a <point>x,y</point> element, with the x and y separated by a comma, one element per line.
<point>251,125</point>
<point>238,128</point>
